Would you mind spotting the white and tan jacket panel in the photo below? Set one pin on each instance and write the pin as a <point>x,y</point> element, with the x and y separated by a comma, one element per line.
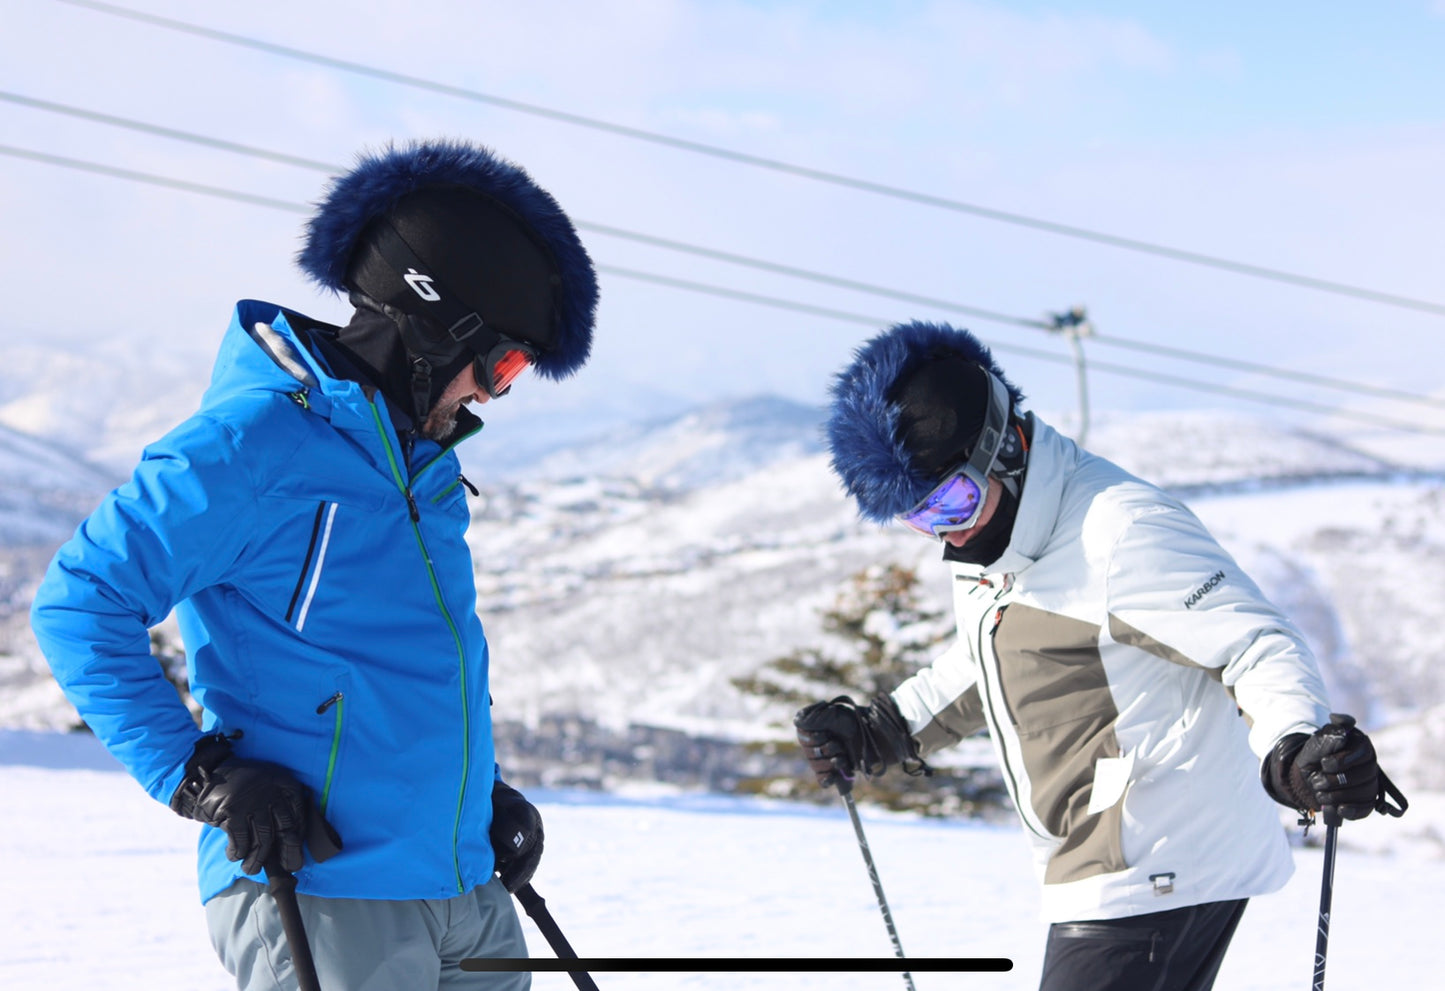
<point>1110,654</point>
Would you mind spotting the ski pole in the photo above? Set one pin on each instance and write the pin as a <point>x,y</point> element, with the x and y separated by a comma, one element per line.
<point>536,907</point>
<point>1333,820</point>
<point>282,884</point>
<point>845,789</point>
<point>1327,893</point>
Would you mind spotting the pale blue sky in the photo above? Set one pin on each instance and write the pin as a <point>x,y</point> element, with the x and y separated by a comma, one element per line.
<point>1306,137</point>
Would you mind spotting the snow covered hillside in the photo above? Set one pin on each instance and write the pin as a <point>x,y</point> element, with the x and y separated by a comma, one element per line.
<point>44,493</point>
<point>626,597</point>
<point>626,580</point>
<point>104,401</point>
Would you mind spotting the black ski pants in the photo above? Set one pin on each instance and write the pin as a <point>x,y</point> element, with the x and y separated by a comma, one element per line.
<point>1178,950</point>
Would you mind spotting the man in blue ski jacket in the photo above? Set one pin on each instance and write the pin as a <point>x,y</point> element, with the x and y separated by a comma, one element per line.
<point>307,527</point>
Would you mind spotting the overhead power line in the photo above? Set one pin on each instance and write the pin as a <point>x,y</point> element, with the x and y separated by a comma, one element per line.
<point>777,268</point>
<point>152,180</point>
<point>750,297</point>
<point>131,124</point>
<point>744,158</point>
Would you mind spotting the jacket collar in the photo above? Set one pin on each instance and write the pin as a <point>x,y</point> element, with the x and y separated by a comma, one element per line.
<point>265,348</point>
<point>1051,459</point>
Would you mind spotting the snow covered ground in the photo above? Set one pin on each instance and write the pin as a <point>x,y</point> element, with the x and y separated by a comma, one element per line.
<point>97,890</point>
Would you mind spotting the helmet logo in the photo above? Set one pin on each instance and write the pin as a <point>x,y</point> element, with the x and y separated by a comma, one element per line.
<point>421,285</point>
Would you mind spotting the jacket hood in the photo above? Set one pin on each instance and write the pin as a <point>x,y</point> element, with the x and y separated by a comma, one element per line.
<point>479,243</point>
<point>862,432</point>
<point>261,350</point>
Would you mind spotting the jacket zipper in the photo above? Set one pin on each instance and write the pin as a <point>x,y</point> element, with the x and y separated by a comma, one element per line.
<point>1011,778</point>
<point>306,563</point>
<point>338,702</point>
<point>404,485</point>
<point>461,480</point>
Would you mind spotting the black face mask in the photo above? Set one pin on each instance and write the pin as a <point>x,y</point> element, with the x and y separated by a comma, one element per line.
<point>373,342</point>
<point>993,539</point>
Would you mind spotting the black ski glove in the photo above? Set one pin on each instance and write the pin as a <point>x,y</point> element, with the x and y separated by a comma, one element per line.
<point>265,812</point>
<point>516,836</point>
<point>1333,767</point>
<point>841,738</point>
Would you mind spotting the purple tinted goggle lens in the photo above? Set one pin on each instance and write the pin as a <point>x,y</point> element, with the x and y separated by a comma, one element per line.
<point>953,505</point>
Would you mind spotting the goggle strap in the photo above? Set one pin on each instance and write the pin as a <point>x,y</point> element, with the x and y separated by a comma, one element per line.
<point>458,322</point>
<point>990,438</point>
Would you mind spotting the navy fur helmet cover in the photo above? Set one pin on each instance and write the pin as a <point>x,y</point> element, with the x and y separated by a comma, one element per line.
<point>862,429</point>
<point>379,180</point>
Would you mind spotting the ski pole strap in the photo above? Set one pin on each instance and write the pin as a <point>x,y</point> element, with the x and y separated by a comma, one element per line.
<point>1389,791</point>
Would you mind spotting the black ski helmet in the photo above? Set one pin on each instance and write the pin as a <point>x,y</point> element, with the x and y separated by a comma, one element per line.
<point>463,251</point>
<point>907,408</point>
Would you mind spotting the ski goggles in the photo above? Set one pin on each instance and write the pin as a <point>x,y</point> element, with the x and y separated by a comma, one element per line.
<point>957,502</point>
<point>502,364</point>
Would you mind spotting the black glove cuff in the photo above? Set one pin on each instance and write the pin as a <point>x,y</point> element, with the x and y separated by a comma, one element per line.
<point>890,733</point>
<point>1278,775</point>
<point>209,752</point>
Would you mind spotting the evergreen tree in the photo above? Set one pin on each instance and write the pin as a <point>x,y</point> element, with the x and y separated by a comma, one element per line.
<point>878,632</point>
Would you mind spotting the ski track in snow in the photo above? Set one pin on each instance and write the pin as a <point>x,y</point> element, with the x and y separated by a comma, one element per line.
<point>97,890</point>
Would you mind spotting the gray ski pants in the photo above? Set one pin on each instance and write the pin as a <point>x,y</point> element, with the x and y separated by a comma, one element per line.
<point>363,945</point>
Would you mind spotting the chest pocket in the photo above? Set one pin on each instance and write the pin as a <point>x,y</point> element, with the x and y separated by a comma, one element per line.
<point>451,502</point>
<point>312,564</point>
<point>304,548</point>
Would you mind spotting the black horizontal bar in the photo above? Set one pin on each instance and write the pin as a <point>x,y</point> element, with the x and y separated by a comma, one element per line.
<point>793,965</point>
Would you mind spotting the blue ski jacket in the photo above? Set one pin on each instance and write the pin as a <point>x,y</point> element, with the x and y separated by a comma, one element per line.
<point>323,586</point>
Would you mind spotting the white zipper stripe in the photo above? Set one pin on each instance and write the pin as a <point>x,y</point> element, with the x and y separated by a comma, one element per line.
<point>316,571</point>
<point>996,709</point>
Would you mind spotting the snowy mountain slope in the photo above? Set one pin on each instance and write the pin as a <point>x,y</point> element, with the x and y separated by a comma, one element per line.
<point>1201,450</point>
<point>612,599</point>
<point>44,491</point>
<point>105,402</point>
<point>701,446</point>
<point>628,581</point>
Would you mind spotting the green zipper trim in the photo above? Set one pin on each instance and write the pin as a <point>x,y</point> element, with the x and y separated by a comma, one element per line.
<point>445,451</point>
<point>438,497</point>
<point>340,705</point>
<point>405,489</point>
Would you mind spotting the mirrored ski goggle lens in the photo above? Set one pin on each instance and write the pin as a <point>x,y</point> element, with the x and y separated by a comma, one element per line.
<point>952,505</point>
<point>501,368</point>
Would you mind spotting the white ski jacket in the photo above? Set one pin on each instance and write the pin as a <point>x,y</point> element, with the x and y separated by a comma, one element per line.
<point>1110,653</point>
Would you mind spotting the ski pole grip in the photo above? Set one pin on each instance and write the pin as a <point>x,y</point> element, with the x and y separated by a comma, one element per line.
<point>842,781</point>
<point>1342,724</point>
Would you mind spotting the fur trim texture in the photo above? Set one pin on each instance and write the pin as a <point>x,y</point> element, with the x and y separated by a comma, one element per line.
<point>379,180</point>
<point>862,429</point>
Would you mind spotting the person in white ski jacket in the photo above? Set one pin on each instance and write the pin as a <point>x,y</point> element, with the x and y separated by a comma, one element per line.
<point>1135,683</point>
